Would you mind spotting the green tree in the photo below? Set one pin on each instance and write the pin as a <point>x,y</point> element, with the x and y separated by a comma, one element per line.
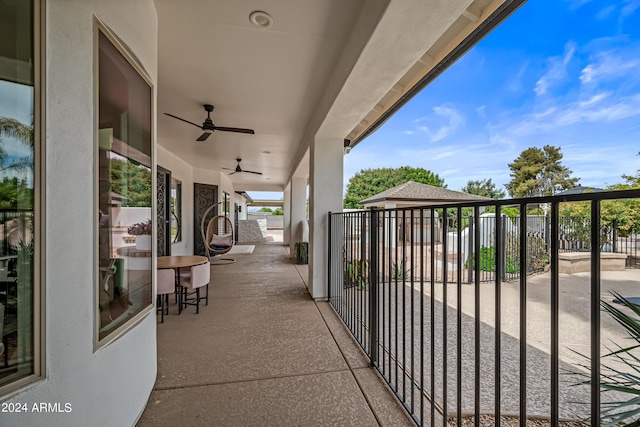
<point>265,209</point>
<point>278,212</point>
<point>132,181</point>
<point>14,192</point>
<point>539,172</point>
<point>369,182</point>
<point>625,213</point>
<point>484,187</point>
<point>632,181</point>
<point>24,134</point>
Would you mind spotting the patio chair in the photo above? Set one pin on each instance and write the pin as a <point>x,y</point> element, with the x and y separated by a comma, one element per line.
<point>166,286</point>
<point>218,236</point>
<point>198,277</point>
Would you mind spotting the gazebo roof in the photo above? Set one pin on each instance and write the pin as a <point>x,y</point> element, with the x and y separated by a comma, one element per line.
<point>416,194</point>
<point>579,190</point>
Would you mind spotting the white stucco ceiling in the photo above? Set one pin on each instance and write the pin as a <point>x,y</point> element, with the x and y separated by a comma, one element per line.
<point>324,65</point>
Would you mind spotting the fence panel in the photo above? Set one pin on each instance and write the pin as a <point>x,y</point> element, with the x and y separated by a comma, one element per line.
<point>437,300</point>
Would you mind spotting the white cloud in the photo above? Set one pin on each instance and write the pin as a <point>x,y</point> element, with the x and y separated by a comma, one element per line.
<point>453,121</point>
<point>594,100</point>
<point>591,113</point>
<point>515,83</point>
<point>408,132</point>
<point>609,65</point>
<point>599,108</point>
<point>605,13</point>
<point>629,8</point>
<point>444,155</point>
<point>575,4</point>
<point>557,70</point>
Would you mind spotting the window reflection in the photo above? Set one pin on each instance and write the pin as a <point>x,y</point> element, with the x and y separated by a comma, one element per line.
<point>227,204</point>
<point>124,200</point>
<point>16,191</point>
<point>176,210</point>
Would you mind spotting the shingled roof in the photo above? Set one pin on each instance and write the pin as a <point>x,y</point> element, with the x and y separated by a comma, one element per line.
<point>416,194</point>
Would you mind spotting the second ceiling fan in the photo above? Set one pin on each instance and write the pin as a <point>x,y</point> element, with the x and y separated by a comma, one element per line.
<point>238,169</point>
<point>208,127</point>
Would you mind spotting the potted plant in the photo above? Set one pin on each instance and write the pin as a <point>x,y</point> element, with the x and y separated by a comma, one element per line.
<point>142,231</point>
<point>301,250</point>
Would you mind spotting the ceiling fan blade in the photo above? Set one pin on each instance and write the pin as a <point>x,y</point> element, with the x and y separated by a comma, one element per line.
<point>257,173</point>
<point>186,121</point>
<point>238,130</point>
<point>229,169</point>
<point>204,136</point>
<point>232,172</point>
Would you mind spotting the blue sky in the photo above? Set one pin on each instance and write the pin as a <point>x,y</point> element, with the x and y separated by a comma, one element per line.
<point>558,72</point>
<point>16,101</point>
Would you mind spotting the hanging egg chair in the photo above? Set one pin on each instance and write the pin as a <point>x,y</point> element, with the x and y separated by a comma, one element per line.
<point>217,235</point>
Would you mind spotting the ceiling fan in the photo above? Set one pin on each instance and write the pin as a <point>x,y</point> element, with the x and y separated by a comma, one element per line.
<point>239,169</point>
<point>208,127</point>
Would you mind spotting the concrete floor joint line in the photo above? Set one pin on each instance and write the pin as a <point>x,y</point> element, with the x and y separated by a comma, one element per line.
<point>351,369</point>
<point>251,380</point>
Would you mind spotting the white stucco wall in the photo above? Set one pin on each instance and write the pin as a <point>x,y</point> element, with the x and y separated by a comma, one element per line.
<point>188,175</point>
<point>242,203</point>
<point>108,386</point>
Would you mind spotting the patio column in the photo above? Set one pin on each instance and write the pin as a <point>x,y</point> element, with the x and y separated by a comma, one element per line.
<point>298,211</point>
<point>325,195</point>
<point>286,218</point>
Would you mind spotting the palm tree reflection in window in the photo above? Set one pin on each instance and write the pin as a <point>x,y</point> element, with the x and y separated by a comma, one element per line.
<point>16,239</point>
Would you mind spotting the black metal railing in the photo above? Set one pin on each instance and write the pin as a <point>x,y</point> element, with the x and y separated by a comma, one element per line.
<point>436,298</point>
<point>574,236</point>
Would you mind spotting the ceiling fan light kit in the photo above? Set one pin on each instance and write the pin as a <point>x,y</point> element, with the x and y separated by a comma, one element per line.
<point>238,169</point>
<point>208,127</point>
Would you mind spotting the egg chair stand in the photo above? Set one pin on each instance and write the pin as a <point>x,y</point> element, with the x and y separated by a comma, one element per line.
<point>217,236</point>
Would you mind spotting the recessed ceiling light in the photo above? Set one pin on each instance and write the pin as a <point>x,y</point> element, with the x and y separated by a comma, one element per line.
<point>261,19</point>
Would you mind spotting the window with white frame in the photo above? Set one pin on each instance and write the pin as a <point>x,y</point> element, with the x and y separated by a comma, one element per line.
<point>124,212</point>
<point>19,309</point>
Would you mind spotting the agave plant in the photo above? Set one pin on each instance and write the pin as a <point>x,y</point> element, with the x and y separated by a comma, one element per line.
<point>622,376</point>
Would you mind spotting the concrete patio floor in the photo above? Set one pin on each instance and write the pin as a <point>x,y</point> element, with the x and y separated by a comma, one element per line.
<point>263,353</point>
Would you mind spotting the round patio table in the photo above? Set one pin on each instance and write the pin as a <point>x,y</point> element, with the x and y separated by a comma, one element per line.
<point>177,262</point>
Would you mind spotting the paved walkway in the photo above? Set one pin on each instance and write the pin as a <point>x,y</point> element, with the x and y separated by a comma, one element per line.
<point>405,337</point>
<point>262,353</point>
<point>574,338</point>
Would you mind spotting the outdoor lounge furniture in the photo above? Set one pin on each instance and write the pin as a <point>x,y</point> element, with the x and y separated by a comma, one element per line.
<point>217,235</point>
<point>166,286</point>
<point>199,276</point>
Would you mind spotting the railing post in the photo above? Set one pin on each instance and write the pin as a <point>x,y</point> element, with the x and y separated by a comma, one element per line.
<point>470,250</point>
<point>503,243</point>
<point>547,232</point>
<point>555,313</point>
<point>373,286</point>
<point>595,312</point>
<point>615,236</point>
<point>329,263</point>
